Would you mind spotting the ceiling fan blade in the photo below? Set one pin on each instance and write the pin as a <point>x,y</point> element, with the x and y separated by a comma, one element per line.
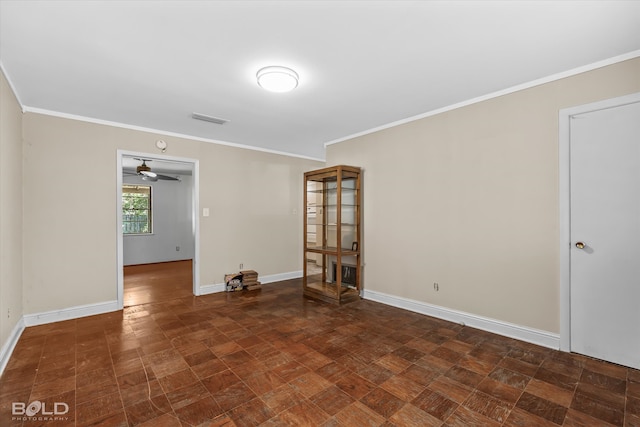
<point>152,176</point>
<point>167,177</point>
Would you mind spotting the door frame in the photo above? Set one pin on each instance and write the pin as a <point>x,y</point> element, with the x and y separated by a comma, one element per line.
<point>195,223</point>
<point>564,157</point>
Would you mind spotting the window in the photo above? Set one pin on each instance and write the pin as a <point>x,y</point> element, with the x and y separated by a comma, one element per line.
<point>136,209</point>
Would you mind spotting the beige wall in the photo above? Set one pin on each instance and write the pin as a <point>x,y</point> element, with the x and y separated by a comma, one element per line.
<point>255,200</point>
<point>10,211</point>
<point>469,199</point>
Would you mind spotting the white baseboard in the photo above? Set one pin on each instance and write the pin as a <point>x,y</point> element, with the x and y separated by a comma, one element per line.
<point>220,287</point>
<point>281,276</point>
<point>10,344</point>
<point>211,289</point>
<point>70,313</point>
<point>522,333</point>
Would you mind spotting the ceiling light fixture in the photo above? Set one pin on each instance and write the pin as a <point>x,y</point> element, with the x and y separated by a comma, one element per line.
<point>277,79</point>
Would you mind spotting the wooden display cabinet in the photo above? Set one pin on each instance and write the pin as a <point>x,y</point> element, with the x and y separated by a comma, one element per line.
<point>331,270</point>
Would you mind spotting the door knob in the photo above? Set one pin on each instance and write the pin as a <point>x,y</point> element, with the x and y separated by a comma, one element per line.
<point>580,245</point>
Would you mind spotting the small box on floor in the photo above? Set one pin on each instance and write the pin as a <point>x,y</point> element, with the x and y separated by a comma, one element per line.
<point>233,282</point>
<point>250,280</point>
<point>246,279</point>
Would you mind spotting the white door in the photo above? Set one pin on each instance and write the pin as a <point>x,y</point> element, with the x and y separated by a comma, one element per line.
<point>605,218</point>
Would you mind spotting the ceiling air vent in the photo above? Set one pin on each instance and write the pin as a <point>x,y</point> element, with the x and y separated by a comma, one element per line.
<point>204,117</point>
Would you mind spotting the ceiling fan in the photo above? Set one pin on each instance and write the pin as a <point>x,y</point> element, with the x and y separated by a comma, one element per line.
<point>145,172</point>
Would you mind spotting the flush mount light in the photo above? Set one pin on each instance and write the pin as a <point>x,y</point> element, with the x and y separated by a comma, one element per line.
<point>277,79</point>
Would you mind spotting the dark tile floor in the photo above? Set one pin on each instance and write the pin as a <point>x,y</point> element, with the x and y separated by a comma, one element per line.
<point>273,358</point>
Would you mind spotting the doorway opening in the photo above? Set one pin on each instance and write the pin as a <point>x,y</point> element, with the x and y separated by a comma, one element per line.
<point>159,260</point>
<point>157,282</point>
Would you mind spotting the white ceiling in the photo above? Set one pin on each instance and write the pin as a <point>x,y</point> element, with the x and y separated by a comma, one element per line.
<point>362,64</point>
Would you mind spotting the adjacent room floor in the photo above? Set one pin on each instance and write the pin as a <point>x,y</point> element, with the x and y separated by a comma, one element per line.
<point>273,358</point>
<point>157,282</point>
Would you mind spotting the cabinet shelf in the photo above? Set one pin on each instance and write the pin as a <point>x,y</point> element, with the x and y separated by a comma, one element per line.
<point>332,250</point>
<point>329,292</point>
<point>332,233</point>
<point>334,189</point>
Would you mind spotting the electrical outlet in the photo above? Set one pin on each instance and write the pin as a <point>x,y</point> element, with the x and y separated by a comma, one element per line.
<point>177,248</point>
<point>241,266</point>
<point>436,286</point>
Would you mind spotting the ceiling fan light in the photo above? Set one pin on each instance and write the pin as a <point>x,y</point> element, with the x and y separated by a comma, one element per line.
<point>277,79</point>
